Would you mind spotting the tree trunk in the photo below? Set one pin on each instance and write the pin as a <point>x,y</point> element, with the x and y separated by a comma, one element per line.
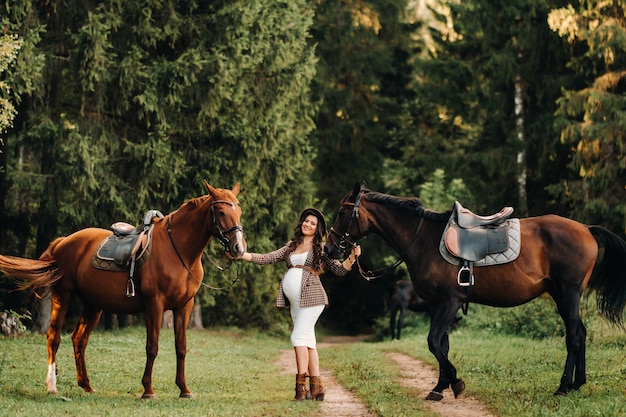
<point>196,317</point>
<point>195,321</point>
<point>521,158</point>
<point>42,311</point>
<point>168,320</point>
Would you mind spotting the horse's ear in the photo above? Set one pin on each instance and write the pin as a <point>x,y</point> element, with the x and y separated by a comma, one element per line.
<point>236,189</point>
<point>210,189</point>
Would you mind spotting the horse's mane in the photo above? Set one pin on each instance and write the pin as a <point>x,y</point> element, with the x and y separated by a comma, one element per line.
<point>195,202</point>
<point>412,204</point>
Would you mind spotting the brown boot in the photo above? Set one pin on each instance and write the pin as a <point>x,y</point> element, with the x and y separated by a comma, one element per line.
<point>317,389</point>
<point>302,392</point>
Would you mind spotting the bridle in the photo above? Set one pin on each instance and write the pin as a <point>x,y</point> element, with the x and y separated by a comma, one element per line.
<point>344,241</point>
<point>222,237</point>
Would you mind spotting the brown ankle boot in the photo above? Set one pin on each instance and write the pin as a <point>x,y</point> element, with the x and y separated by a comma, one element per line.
<point>317,389</point>
<point>302,392</point>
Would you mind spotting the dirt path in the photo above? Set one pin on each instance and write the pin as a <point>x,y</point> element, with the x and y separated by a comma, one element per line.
<point>417,375</point>
<point>422,378</point>
<point>338,402</point>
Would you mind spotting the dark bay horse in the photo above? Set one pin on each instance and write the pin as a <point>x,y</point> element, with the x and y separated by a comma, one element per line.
<point>168,280</point>
<point>403,298</point>
<point>558,256</point>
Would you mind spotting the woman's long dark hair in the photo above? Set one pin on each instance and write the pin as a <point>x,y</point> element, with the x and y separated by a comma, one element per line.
<point>318,238</point>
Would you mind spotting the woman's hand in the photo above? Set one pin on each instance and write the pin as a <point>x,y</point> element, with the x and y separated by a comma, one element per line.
<point>351,259</point>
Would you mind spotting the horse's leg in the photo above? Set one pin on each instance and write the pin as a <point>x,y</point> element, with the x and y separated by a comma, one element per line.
<point>580,375</point>
<point>575,339</point>
<point>439,345</point>
<point>181,321</point>
<point>80,337</point>
<point>401,319</point>
<point>60,303</point>
<point>392,321</point>
<point>154,319</point>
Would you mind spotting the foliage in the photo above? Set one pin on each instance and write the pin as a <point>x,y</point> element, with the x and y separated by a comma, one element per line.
<point>11,322</point>
<point>9,48</point>
<point>486,56</point>
<point>141,102</point>
<point>128,106</point>
<point>538,319</point>
<point>592,117</point>
<point>363,80</point>
<point>439,196</point>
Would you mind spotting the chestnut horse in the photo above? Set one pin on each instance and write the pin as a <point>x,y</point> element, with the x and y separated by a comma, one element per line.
<point>557,256</point>
<point>168,280</point>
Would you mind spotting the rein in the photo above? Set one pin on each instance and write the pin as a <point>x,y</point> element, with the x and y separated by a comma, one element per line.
<point>370,275</point>
<point>223,240</point>
<point>344,241</point>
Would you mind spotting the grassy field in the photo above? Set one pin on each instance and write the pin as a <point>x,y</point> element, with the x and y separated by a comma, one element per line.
<point>514,376</point>
<point>232,373</point>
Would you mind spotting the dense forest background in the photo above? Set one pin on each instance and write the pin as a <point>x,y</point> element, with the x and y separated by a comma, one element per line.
<point>111,108</point>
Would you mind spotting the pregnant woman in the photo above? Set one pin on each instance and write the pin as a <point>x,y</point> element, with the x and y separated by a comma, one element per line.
<point>302,290</point>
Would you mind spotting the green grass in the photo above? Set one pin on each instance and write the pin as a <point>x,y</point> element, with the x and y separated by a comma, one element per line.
<point>232,373</point>
<point>515,376</point>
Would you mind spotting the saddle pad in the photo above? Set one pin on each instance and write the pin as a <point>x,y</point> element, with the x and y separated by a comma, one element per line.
<point>110,265</point>
<point>515,244</point>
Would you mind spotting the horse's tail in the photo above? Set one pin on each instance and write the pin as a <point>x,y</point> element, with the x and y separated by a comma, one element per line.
<point>32,273</point>
<point>609,275</point>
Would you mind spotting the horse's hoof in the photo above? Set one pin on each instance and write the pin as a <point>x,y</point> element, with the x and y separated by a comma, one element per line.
<point>559,393</point>
<point>186,395</point>
<point>434,396</point>
<point>458,388</point>
<point>148,396</point>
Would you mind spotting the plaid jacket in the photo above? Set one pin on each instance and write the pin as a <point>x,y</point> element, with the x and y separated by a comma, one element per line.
<point>313,292</point>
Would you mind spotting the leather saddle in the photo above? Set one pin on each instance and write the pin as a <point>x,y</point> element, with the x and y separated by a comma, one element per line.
<point>472,237</point>
<point>127,248</point>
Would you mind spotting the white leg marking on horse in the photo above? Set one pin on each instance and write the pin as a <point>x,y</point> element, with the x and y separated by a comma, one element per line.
<point>51,379</point>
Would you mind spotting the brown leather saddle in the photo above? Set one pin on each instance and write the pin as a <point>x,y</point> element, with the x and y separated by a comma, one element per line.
<point>485,240</point>
<point>127,248</point>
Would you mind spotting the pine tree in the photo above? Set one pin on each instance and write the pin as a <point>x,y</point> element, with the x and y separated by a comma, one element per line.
<point>592,117</point>
<point>138,102</point>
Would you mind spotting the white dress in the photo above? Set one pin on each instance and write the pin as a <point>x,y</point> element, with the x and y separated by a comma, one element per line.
<point>304,318</point>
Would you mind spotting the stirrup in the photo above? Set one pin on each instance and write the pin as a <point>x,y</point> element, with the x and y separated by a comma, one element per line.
<point>465,278</point>
<point>130,288</point>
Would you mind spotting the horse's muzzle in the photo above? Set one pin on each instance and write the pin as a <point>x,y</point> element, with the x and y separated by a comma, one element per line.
<point>238,246</point>
<point>332,251</point>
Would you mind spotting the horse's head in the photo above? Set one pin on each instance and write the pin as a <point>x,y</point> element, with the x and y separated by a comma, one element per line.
<point>226,219</point>
<point>346,230</point>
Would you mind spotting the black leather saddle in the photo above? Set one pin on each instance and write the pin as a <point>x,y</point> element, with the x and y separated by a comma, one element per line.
<point>127,248</point>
